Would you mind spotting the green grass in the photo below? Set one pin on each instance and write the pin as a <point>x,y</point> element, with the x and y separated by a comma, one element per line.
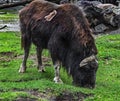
<point>14,85</point>
<point>8,16</point>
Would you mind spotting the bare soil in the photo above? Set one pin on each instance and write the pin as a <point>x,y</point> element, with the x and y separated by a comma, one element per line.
<point>11,55</point>
<point>68,96</point>
<point>64,96</point>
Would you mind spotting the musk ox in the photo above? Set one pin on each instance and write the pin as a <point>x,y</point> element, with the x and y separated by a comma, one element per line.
<point>64,31</point>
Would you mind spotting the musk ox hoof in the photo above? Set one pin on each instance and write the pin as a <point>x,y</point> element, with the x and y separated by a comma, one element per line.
<point>41,70</point>
<point>22,69</point>
<point>58,80</point>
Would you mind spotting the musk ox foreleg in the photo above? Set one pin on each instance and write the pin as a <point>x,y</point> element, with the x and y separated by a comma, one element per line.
<point>53,46</point>
<point>39,55</point>
<point>57,78</point>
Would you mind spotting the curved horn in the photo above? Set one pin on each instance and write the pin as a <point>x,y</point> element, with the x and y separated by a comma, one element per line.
<point>88,59</point>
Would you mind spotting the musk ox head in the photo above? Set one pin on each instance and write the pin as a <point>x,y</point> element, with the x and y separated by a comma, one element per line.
<point>85,74</point>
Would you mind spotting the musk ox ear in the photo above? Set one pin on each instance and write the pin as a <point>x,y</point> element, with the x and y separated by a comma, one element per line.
<point>88,59</point>
<point>51,15</point>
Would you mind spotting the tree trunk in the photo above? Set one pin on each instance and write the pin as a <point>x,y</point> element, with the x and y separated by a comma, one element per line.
<point>15,4</point>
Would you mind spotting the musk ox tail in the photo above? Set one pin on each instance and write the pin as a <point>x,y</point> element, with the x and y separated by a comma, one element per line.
<point>25,36</point>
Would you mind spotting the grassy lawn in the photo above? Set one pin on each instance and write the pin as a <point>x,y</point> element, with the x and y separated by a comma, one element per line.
<point>35,86</point>
<point>40,86</point>
<point>8,16</point>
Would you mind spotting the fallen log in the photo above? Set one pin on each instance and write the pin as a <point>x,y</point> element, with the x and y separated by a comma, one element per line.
<point>14,4</point>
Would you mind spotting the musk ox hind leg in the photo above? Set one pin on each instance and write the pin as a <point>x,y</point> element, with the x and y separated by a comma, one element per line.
<point>57,78</point>
<point>26,54</point>
<point>39,59</point>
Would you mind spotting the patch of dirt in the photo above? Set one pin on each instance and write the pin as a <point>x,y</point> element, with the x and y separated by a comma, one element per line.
<point>6,53</point>
<point>49,96</point>
<point>19,80</point>
<point>9,56</point>
<point>45,60</point>
<point>41,95</point>
<point>68,96</point>
<point>37,95</point>
<point>25,99</point>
